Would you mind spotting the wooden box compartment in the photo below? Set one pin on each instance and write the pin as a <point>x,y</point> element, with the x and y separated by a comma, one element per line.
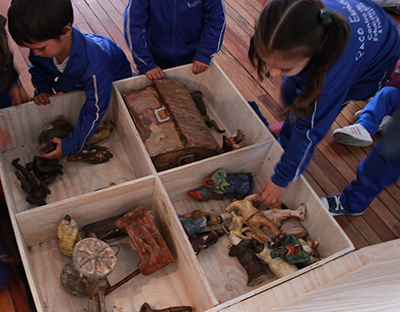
<point>25,122</point>
<point>226,276</point>
<point>211,280</point>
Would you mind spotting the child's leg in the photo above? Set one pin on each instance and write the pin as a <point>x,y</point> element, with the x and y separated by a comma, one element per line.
<point>383,103</point>
<point>374,173</point>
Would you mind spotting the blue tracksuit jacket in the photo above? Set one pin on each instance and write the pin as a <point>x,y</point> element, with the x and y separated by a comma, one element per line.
<point>369,59</point>
<point>169,33</point>
<point>95,62</point>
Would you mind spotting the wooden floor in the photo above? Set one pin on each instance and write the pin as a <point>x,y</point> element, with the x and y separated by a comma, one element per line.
<point>333,165</point>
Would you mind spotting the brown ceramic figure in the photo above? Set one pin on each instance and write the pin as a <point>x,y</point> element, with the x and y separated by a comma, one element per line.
<point>254,218</point>
<point>203,240</point>
<point>245,251</point>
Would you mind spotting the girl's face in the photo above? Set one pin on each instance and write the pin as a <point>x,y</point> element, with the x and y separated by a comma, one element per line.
<point>278,67</point>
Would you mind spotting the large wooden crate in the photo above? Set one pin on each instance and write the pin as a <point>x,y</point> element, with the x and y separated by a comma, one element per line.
<point>210,280</point>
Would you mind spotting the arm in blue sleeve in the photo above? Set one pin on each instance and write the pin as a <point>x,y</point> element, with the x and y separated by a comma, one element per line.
<point>98,95</point>
<point>213,31</point>
<point>300,138</point>
<point>42,78</point>
<point>135,17</point>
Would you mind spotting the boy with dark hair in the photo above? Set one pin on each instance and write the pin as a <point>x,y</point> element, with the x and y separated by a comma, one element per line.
<point>63,60</point>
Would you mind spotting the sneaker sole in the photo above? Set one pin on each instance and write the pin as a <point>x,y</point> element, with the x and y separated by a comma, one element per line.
<point>346,213</point>
<point>350,140</point>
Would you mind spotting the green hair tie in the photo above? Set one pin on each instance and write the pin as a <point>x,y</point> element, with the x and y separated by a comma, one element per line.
<point>326,17</point>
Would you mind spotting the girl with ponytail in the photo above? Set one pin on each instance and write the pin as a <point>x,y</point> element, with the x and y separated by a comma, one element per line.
<point>328,53</point>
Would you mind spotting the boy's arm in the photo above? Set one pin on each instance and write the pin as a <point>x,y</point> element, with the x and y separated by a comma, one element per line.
<point>135,16</point>
<point>98,95</point>
<point>213,31</point>
<point>42,78</point>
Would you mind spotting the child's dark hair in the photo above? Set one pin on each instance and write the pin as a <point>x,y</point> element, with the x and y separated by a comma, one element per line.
<point>293,29</point>
<point>39,20</point>
<point>5,56</point>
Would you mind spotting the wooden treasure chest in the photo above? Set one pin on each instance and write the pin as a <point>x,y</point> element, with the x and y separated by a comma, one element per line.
<point>170,124</point>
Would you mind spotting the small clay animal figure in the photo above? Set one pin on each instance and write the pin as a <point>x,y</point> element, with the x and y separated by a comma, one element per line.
<point>203,240</point>
<point>68,234</point>
<point>278,266</point>
<point>236,228</point>
<point>234,142</point>
<point>45,170</point>
<point>59,128</point>
<point>221,183</point>
<point>246,251</point>
<point>93,154</point>
<point>310,247</point>
<point>197,97</point>
<point>254,218</point>
<point>37,192</point>
<point>195,214</point>
<point>192,226</point>
<point>277,216</point>
<point>146,308</point>
<point>102,132</point>
<point>293,226</point>
<point>291,250</point>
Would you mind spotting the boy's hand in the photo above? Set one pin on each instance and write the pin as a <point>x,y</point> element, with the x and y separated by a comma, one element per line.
<point>4,138</point>
<point>57,153</point>
<point>18,94</point>
<point>155,73</point>
<point>43,98</point>
<point>199,67</point>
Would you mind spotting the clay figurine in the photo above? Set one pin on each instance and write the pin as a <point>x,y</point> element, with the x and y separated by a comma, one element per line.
<point>278,266</point>
<point>68,234</point>
<point>291,250</point>
<point>37,192</point>
<point>193,226</point>
<point>293,226</point>
<point>309,246</point>
<point>197,97</point>
<point>59,128</point>
<point>93,154</point>
<point>234,142</point>
<point>196,214</point>
<point>203,240</point>
<point>254,218</point>
<point>237,185</point>
<point>102,132</point>
<point>245,251</point>
<point>146,308</point>
<point>45,170</point>
<point>236,228</point>
<point>277,216</point>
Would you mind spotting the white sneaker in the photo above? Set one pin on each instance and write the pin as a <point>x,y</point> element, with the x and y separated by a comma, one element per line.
<point>355,135</point>
<point>384,123</point>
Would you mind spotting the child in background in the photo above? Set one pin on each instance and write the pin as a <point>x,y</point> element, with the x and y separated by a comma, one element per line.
<point>11,91</point>
<point>63,60</point>
<point>381,167</point>
<point>166,33</point>
<point>328,53</point>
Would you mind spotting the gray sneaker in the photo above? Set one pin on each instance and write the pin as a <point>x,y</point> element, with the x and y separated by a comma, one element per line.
<point>384,123</point>
<point>355,135</point>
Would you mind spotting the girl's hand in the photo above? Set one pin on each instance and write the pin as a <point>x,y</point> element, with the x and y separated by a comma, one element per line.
<point>18,94</point>
<point>57,153</point>
<point>199,67</point>
<point>271,193</point>
<point>4,138</point>
<point>155,73</point>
